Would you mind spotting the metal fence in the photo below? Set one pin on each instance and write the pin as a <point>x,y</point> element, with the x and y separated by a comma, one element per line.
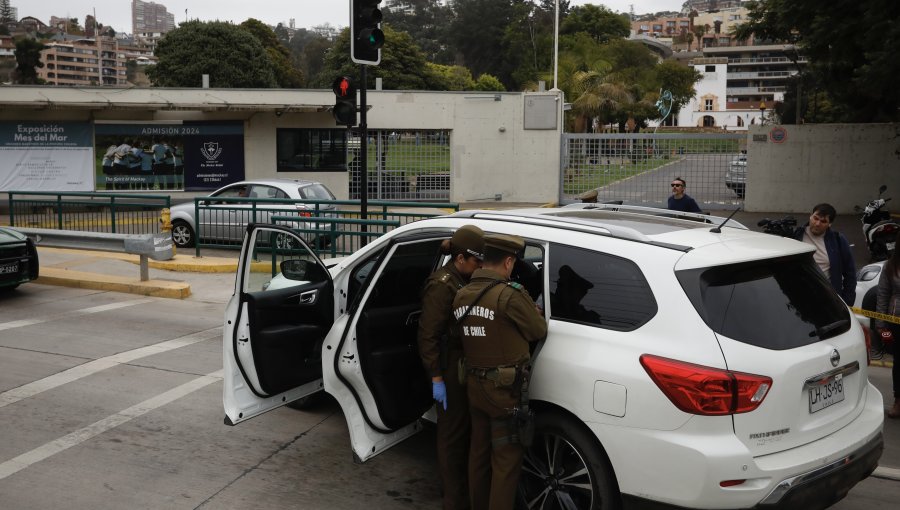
<point>87,212</point>
<point>404,165</point>
<point>331,227</point>
<point>638,168</point>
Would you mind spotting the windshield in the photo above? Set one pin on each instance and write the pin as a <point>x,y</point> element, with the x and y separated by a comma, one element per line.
<point>776,303</point>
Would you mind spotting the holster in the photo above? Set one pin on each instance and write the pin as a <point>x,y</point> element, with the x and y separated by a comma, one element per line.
<point>461,371</point>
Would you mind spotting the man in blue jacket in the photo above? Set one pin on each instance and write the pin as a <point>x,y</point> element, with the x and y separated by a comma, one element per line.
<point>833,255</point>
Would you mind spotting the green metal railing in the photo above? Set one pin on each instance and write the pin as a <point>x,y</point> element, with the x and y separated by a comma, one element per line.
<point>87,212</point>
<point>331,227</point>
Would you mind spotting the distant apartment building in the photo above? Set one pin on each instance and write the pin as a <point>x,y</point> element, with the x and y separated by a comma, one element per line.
<point>81,62</point>
<point>739,85</point>
<point>661,27</point>
<point>149,22</point>
<point>150,17</point>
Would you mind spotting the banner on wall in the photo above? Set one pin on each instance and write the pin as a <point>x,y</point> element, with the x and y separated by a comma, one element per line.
<point>46,156</point>
<point>153,156</point>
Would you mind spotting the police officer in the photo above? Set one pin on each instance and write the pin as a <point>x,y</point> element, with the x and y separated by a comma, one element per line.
<point>496,321</point>
<point>441,351</point>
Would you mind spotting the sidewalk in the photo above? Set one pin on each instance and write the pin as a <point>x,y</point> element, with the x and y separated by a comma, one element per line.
<point>212,276</point>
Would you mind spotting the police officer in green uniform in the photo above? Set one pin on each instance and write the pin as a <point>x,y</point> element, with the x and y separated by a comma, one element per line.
<point>496,321</point>
<point>441,351</point>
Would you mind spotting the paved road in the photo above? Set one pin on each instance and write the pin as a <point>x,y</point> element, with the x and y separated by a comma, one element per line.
<point>111,400</point>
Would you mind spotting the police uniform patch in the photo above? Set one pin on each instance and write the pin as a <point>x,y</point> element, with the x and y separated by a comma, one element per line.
<point>515,285</point>
<point>445,277</point>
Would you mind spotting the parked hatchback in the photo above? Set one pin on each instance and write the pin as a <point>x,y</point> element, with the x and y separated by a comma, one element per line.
<point>706,365</point>
<point>225,213</point>
<point>18,259</point>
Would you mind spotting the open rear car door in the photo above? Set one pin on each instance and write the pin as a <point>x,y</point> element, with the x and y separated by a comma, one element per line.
<point>275,323</point>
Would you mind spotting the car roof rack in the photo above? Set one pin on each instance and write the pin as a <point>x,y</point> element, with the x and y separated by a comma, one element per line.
<point>656,211</point>
<point>570,223</point>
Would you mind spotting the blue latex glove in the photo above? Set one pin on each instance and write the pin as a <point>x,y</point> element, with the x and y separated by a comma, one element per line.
<point>439,392</point>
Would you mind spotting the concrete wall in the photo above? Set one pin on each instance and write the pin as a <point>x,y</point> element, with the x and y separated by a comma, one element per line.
<point>842,164</point>
<point>491,151</point>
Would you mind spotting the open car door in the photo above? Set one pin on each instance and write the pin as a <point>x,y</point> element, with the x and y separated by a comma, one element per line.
<point>275,323</point>
<point>372,363</point>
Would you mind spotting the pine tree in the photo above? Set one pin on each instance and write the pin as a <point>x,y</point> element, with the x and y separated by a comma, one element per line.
<point>5,12</point>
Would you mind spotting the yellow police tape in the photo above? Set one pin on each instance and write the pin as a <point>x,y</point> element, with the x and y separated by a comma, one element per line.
<point>875,315</point>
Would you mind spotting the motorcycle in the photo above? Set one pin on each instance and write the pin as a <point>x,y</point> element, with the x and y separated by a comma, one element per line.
<point>879,230</point>
<point>784,227</point>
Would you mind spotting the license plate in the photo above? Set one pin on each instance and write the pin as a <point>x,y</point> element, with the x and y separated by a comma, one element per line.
<point>9,268</point>
<point>826,395</point>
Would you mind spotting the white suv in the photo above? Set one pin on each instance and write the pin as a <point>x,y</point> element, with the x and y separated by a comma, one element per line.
<point>699,367</point>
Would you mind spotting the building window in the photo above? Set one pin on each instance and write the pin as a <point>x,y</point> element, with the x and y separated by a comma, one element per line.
<point>319,150</point>
<point>710,69</point>
<point>708,104</point>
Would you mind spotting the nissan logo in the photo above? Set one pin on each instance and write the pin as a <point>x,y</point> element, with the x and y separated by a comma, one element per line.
<point>835,357</point>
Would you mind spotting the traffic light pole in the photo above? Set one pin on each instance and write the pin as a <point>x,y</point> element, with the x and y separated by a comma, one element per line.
<point>363,156</point>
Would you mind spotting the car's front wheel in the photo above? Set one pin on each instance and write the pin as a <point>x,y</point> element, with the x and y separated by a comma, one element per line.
<point>182,234</point>
<point>565,468</point>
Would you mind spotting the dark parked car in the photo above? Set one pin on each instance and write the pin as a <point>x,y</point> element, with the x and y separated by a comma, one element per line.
<point>18,259</point>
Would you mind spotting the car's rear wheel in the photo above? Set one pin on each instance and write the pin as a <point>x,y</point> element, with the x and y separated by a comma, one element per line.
<point>182,234</point>
<point>565,468</point>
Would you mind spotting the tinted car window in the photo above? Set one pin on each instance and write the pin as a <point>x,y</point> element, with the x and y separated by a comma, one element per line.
<point>776,304</point>
<point>599,289</point>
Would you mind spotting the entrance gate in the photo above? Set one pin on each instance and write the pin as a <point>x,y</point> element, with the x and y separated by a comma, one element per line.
<point>638,168</point>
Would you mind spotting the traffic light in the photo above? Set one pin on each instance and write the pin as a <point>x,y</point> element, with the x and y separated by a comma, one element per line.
<point>366,37</point>
<point>344,101</point>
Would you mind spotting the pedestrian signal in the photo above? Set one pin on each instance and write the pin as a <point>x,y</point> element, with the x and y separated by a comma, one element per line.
<point>344,110</point>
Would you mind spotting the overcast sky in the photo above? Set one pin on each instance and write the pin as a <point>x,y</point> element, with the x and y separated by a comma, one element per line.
<point>306,13</point>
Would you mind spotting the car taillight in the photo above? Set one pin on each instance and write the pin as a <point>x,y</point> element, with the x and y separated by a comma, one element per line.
<point>707,391</point>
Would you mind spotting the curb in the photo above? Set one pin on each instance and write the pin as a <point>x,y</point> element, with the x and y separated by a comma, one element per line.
<point>887,473</point>
<point>85,280</point>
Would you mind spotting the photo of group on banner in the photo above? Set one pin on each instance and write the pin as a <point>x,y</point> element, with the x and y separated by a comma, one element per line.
<point>137,164</point>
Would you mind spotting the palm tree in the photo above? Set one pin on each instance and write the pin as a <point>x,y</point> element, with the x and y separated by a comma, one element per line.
<point>599,96</point>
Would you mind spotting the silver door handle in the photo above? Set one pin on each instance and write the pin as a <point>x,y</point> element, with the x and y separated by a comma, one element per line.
<point>308,297</point>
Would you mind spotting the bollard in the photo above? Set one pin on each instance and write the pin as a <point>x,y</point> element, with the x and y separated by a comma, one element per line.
<point>165,217</point>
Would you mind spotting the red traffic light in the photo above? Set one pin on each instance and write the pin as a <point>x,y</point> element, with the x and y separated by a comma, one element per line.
<point>343,87</point>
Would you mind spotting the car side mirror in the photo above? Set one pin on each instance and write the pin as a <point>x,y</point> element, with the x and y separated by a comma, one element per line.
<point>295,269</point>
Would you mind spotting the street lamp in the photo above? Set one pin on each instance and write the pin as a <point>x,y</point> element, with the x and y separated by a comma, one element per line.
<point>556,48</point>
<point>762,111</point>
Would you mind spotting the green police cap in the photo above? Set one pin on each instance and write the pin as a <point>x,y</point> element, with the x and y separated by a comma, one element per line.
<point>505,243</point>
<point>469,239</point>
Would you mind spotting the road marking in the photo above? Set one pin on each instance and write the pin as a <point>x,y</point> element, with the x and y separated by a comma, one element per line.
<point>75,313</point>
<point>81,435</point>
<point>66,376</point>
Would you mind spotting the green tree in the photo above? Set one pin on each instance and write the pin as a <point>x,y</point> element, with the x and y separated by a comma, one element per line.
<point>403,65</point>
<point>308,51</point>
<point>5,12</point>
<point>488,83</point>
<point>478,33</point>
<point>229,54</point>
<point>451,77</point>
<point>426,25</point>
<point>28,60</point>
<point>597,21</point>
<point>852,50</point>
<point>285,74</point>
